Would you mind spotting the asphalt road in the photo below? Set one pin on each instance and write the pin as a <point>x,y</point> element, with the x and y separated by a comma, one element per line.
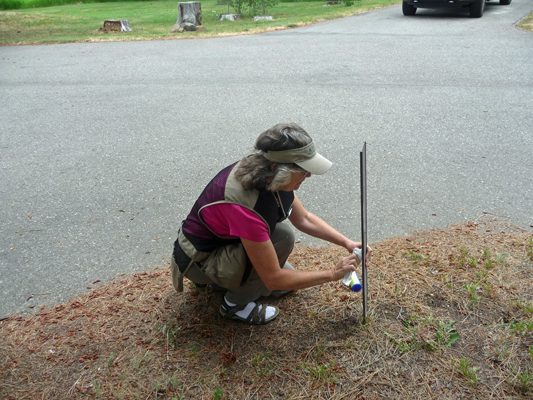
<point>104,147</point>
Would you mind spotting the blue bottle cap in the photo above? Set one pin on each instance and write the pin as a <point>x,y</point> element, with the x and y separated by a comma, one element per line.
<point>357,287</point>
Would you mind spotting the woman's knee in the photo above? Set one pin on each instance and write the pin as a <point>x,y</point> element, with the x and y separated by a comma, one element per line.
<point>283,238</point>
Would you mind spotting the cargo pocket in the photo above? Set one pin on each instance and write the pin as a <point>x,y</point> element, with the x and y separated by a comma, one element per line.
<point>226,266</point>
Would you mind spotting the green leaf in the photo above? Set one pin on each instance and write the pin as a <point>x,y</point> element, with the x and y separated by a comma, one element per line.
<point>453,337</point>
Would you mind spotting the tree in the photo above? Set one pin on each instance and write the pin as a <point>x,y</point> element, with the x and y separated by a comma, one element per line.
<point>262,4</point>
<point>238,5</point>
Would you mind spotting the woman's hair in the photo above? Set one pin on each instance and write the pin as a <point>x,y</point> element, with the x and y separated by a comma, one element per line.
<point>256,172</point>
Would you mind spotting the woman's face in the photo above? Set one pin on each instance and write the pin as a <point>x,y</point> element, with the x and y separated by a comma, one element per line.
<point>296,180</point>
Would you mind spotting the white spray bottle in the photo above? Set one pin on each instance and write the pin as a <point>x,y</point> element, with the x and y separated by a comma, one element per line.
<point>351,280</point>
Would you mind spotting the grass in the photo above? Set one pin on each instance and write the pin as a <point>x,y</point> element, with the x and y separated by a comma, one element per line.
<point>464,368</point>
<point>136,338</point>
<point>527,23</point>
<point>152,20</point>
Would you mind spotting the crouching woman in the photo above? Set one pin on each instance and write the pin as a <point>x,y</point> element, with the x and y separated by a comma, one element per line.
<point>234,237</point>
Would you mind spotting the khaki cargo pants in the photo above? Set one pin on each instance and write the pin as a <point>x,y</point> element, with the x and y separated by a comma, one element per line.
<point>226,265</point>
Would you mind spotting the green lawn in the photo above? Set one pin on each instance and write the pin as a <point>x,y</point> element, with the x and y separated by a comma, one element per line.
<point>154,20</point>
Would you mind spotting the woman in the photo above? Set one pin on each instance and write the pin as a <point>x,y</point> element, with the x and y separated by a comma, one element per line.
<point>234,237</point>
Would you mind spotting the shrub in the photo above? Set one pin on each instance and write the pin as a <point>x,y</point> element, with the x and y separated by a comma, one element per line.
<point>10,4</point>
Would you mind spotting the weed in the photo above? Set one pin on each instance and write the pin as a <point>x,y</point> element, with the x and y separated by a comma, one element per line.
<point>466,370</point>
<point>471,289</point>
<point>524,381</point>
<point>320,350</point>
<point>164,382</point>
<point>170,331</point>
<point>503,351</point>
<point>412,321</point>
<point>96,386</point>
<point>262,364</point>
<point>529,248</point>
<point>445,333</point>
<point>482,275</point>
<point>464,252</point>
<point>110,360</point>
<point>500,259</point>
<point>175,382</point>
<point>398,289</point>
<point>217,394</point>
<point>489,288</point>
<point>405,343</point>
<point>322,371</point>
<point>417,257</point>
<point>526,307</point>
<point>522,326</point>
<point>448,281</point>
<point>194,349</point>
<point>136,362</point>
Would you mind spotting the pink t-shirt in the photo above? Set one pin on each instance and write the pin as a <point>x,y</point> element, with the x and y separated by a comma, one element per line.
<point>232,220</point>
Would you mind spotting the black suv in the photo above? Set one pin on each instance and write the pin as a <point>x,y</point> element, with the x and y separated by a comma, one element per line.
<point>476,6</point>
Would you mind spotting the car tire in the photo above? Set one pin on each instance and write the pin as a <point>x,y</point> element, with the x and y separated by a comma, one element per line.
<point>505,2</point>
<point>408,9</point>
<point>477,8</point>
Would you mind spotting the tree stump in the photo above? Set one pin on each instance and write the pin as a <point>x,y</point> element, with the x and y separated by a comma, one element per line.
<point>189,17</point>
<point>230,17</point>
<point>191,12</point>
<point>263,18</point>
<point>113,25</point>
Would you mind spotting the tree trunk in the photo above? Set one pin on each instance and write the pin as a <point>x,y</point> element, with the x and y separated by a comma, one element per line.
<point>191,12</point>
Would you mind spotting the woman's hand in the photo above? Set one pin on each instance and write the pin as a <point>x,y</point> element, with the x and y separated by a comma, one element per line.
<point>352,245</point>
<point>345,265</point>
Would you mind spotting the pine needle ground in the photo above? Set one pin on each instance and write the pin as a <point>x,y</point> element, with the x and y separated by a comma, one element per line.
<point>450,318</point>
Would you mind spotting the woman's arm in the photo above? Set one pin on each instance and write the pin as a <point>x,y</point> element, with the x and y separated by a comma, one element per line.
<point>265,261</point>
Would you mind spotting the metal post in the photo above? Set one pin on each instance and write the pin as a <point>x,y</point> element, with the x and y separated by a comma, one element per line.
<point>364,230</point>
